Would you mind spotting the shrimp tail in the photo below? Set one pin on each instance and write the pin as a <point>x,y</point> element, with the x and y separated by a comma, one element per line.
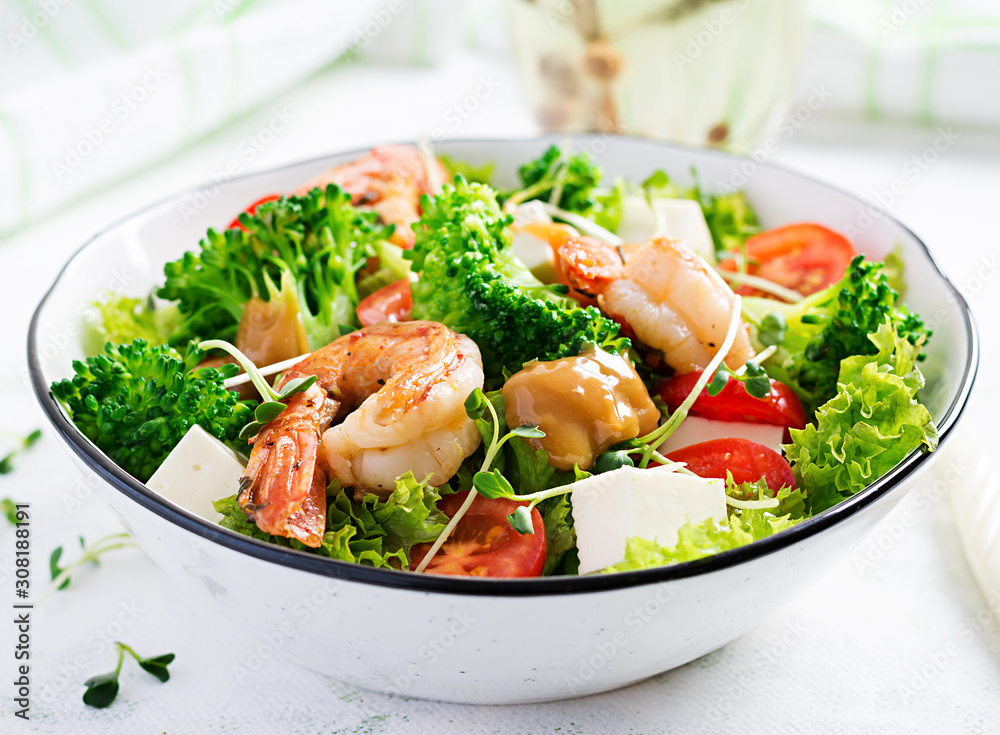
<point>284,490</point>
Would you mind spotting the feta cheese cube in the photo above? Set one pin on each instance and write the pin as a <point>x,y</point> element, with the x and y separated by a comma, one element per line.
<point>536,254</point>
<point>197,471</point>
<point>610,508</point>
<point>683,220</point>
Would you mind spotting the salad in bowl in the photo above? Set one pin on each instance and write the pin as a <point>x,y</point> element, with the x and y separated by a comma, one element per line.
<point>405,364</point>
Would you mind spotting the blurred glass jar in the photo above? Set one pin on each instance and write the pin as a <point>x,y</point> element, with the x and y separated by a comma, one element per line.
<point>703,72</point>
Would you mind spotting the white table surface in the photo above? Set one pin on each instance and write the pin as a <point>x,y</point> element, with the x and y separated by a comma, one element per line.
<point>903,643</point>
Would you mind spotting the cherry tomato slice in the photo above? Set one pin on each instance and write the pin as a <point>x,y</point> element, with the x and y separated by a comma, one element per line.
<point>483,544</point>
<point>253,208</point>
<point>587,265</point>
<point>747,461</point>
<point>781,408</point>
<point>803,257</point>
<point>392,303</point>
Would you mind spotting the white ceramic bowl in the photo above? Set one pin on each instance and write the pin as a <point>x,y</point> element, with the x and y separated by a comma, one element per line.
<point>492,641</point>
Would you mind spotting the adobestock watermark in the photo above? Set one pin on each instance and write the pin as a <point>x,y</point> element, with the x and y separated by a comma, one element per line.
<point>376,22</point>
<point>248,150</point>
<point>466,106</point>
<point>899,16</point>
<point>70,675</point>
<point>91,138</point>
<point>779,647</point>
<point>105,636</point>
<point>274,640</point>
<point>31,25</point>
<point>54,344</point>
<point>920,677</point>
<point>225,7</point>
<point>605,651</point>
<point>712,30</point>
<point>789,125</point>
<point>433,650</point>
<point>83,490</point>
<point>895,527</point>
<point>911,171</point>
<point>558,14</point>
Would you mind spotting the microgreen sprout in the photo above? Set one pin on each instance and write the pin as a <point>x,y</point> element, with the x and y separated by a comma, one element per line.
<point>761,284</point>
<point>90,554</point>
<point>752,375</point>
<point>103,688</point>
<point>492,484</point>
<point>272,405</point>
<point>9,510</point>
<point>488,483</point>
<point>659,435</point>
<point>772,329</point>
<point>7,461</point>
<point>584,225</point>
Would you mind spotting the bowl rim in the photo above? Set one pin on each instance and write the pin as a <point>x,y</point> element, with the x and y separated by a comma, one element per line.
<point>136,491</point>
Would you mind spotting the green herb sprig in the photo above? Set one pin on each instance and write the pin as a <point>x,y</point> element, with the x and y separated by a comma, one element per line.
<point>272,405</point>
<point>487,482</point>
<point>7,461</point>
<point>8,508</point>
<point>103,688</point>
<point>752,375</point>
<point>90,555</point>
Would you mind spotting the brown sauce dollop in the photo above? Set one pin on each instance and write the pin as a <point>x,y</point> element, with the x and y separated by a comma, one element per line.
<point>584,404</point>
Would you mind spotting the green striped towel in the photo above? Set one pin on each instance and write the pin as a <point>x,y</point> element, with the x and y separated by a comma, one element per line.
<point>929,62</point>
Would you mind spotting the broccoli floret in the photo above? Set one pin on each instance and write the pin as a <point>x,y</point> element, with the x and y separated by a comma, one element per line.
<point>136,402</point>
<point>574,176</point>
<point>831,325</point>
<point>470,281</point>
<point>320,240</point>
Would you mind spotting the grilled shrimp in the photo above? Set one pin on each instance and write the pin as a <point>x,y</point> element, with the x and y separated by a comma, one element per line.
<point>665,294</point>
<point>390,180</point>
<point>400,390</point>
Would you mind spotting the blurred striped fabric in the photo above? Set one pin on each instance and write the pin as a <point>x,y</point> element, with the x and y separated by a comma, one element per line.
<point>94,89</point>
<point>927,62</point>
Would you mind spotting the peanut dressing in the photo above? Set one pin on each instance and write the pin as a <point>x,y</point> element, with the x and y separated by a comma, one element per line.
<point>584,404</point>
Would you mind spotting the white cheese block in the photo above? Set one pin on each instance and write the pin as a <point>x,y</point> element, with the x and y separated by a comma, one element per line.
<point>197,471</point>
<point>695,429</point>
<point>610,508</point>
<point>536,254</point>
<point>683,220</point>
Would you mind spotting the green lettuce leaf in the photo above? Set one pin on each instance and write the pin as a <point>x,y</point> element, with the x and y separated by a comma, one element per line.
<point>697,540</point>
<point>122,319</point>
<point>743,526</point>
<point>374,532</point>
<point>872,423</point>
<point>480,174</point>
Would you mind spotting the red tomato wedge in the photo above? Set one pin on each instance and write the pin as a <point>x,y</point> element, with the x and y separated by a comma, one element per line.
<point>781,408</point>
<point>253,208</point>
<point>483,544</point>
<point>392,303</point>
<point>747,461</point>
<point>804,257</point>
